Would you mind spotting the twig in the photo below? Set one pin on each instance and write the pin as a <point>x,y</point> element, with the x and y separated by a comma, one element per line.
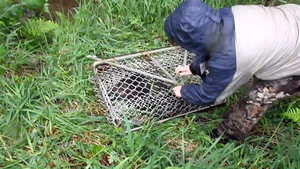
<point>184,63</point>
<point>163,69</point>
<point>136,70</point>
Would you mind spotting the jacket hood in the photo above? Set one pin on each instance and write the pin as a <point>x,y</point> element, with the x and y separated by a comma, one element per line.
<point>194,25</point>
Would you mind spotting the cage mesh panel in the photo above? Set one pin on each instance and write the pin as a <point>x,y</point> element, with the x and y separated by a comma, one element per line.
<point>142,98</point>
<point>171,59</point>
<point>144,64</point>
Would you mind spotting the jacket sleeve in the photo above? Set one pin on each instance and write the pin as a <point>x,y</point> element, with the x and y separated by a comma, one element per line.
<point>199,64</point>
<point>221,72</point>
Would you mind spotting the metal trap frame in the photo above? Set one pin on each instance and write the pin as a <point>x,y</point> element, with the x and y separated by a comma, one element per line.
<point>139,86</point>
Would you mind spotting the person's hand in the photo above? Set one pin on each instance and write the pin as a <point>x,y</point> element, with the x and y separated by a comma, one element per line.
<point>183,70</point>
<point>177,90</point>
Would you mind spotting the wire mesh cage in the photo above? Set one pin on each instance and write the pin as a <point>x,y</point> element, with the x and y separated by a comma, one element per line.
<point>139,86</point>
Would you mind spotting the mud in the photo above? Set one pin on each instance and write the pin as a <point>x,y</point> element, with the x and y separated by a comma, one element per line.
<point>63,6</point>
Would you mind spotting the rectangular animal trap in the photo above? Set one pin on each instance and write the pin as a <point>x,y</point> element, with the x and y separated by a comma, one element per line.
<point>139,86</point>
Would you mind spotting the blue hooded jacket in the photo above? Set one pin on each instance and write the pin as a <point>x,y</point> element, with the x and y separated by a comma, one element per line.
<point>210,35</point>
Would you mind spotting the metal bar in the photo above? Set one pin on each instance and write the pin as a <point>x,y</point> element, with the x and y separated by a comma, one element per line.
<point>122,57</point>
<point>180,115</point>
<point>185,57</point>
<point>109,105</point>
<point>163,69</point>
<point>138,71</point>
<point>184,63</point>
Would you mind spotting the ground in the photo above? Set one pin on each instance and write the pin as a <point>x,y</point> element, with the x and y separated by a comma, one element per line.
<point>50,116</point>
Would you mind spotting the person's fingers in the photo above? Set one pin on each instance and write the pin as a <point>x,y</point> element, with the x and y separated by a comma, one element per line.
<point>177,91</point>
<point>178,69</point>
<point>182,69</point>
<point>174,88</point>
<point>185,73</point>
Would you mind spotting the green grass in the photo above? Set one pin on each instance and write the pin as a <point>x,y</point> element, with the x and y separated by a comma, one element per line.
<point>50,117</point>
